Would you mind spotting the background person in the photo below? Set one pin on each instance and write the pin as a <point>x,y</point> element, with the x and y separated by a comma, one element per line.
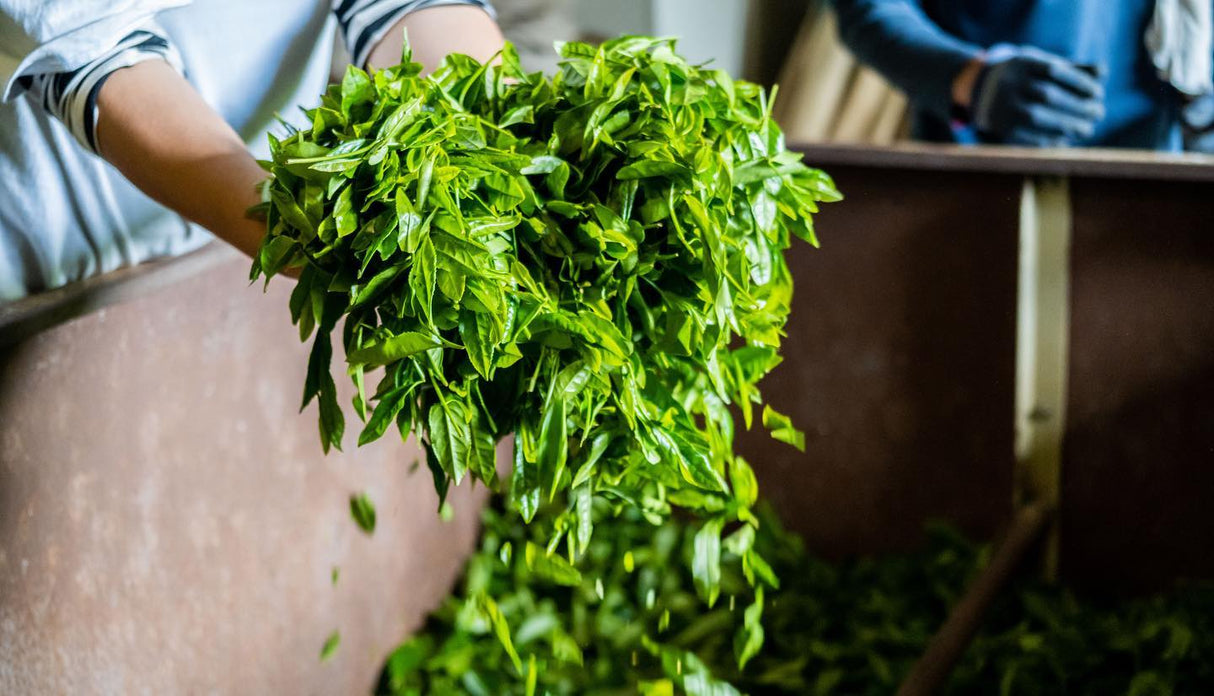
<point>1112,73</point>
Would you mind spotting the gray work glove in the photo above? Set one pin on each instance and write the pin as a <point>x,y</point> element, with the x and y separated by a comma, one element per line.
<point>1026,96</point>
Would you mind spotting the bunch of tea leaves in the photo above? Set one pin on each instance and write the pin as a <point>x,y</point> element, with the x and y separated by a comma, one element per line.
<point>592,262</point>
<point>852,627</point>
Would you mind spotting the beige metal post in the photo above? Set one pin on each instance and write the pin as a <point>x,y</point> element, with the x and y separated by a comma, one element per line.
<point>1042,342</point>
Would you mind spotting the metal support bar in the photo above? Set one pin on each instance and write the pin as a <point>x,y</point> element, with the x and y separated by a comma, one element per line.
<point>950,642</point>
<point>1042,342</point>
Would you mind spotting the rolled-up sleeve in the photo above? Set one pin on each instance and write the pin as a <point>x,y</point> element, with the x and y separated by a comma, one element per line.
<point>364,22</point>
<point>58,54</point>
<point>902,43</point>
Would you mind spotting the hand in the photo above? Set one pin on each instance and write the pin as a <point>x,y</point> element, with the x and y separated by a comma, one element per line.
<point>1026,96</point>
<point>1197,119</point>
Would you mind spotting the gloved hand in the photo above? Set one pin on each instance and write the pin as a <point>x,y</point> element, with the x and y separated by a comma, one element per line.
<point>1197,119</point>
<point>1026,96</point>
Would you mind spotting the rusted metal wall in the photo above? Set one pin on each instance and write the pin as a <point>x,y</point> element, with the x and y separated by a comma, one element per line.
<point>898,362</point>
<point>168,523</point>
<point>1138,474</point>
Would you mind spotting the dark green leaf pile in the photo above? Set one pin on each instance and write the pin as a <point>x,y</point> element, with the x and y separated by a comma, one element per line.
<point>591,261</point>
<point>625,621</point>
<point>632,623</point>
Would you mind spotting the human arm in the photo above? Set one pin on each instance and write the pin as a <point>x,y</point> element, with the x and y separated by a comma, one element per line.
<point>467,29</point>
<point>121,94</point>
<point>899,40</point>
<point>155,128</point>
<point>60,56</point>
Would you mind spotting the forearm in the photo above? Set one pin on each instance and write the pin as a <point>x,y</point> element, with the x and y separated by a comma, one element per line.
<point>436,32</point>
<point>157,130</point>
<point>902,43</point>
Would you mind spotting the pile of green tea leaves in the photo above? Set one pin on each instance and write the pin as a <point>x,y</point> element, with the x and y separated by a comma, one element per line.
<point>632,623</point>
<point>592,262</point>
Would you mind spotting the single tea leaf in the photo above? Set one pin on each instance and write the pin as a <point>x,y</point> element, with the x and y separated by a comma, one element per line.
<point>363,512</point>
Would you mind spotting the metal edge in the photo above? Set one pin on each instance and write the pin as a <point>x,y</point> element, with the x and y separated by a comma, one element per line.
<point>1072,162</point>
<point>26,317</point>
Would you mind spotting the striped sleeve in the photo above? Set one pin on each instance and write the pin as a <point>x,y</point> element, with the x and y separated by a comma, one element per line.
<point>364,22</point>
<point>72,96</point>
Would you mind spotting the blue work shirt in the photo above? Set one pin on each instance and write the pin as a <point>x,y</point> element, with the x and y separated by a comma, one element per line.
<point>921,45</point>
